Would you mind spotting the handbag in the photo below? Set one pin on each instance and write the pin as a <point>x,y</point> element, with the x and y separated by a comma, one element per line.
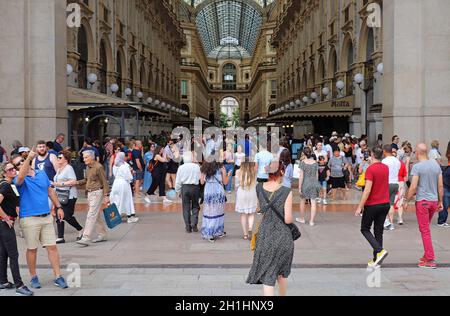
<point>361,180</point>
<point>112,216</point>
<point>295,232</point>
<point>63,196</point>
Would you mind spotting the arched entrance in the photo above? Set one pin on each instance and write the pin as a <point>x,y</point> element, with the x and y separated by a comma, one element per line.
<point>229,112</point>
<point>101,126</point>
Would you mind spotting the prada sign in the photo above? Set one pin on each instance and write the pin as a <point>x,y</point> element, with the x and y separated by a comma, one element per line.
<point>337,107</point>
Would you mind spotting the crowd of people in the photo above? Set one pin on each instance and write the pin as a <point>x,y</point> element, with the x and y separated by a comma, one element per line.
<point>41,187</point>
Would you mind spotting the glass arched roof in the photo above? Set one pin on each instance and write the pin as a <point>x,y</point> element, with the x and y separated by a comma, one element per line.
<point>262,3</point>
<point>228,28</point>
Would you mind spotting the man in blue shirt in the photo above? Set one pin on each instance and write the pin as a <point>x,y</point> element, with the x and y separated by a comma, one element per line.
<point>57,144</point>
<point>35,215</point>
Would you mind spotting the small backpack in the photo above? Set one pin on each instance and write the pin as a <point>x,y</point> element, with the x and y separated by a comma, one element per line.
<point>151,166</point>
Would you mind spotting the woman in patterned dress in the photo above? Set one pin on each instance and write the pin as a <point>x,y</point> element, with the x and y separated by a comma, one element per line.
<point>274,251</point>
<point>308,186</point>
<point>214,177</point>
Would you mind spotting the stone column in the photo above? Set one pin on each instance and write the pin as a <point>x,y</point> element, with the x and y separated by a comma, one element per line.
<point>33,81</point>
<point>417,70</point>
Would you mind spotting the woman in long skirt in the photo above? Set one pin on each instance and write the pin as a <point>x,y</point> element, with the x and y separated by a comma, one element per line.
<point>214,177</point>
<point>121,193</point>
<point>147,175</point>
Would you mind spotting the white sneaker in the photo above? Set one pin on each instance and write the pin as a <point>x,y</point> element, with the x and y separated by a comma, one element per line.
<point>133,220</point>
<point>312,224</point>
<point>445,225</point>
<point>298,220</point>
<point>387,223</point>
<point>318,200</point>
<point>148,200</point>
<point>167,201</point>
<point>325,202</point>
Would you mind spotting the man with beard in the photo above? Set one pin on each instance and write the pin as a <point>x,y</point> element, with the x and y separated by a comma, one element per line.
<point>45,161</point>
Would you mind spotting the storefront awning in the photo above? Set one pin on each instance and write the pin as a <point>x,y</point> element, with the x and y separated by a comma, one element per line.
<point>342,107</point>
<point>79,99</point>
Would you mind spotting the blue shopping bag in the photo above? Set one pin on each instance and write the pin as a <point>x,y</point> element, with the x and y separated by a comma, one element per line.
<point>112,216</point>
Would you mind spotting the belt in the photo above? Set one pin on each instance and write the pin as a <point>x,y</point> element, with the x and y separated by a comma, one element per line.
<point>94,190</point>
<point>43,215</point>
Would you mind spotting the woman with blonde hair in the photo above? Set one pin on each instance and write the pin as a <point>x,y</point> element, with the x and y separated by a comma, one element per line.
<point>246,198</point>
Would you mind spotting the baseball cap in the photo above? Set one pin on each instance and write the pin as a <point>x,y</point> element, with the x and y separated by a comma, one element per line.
<point>24,150</point>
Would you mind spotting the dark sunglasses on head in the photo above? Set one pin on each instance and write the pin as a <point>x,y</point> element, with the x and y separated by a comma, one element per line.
<point>60,157</point>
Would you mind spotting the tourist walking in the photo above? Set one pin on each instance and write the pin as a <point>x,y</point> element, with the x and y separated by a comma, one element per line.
<point>98,193</point>
<point>308,186</point>
<point>229,166</point>
<point>121,194</point>
<point>214,177</point>
<point>399,198</point>
<point>148,175</point>
<point>188,187</point>
<point>443,216</point>
<point>272,260</point>
<point>67,195</point>
<point>138,165</point>
<point>324,177</point>
<point>9,206</point>
<point>172,165</point>
<point>263,159</point>
<point>374,206</point>
<point>158,168</point>
<point>239,157</point>
<point>394,168</point>
<point>427,185</point>
<point>337,178</point>
<point>246,199</point>
<point>435,153</point>
<point>36,220</point>
<point>285,159</point>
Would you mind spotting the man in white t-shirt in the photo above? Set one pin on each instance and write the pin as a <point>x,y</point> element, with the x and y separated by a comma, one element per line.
<point>394,167</point>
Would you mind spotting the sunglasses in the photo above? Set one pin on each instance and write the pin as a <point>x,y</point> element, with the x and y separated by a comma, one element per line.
<point>17,165</point>
<point>60,157</point>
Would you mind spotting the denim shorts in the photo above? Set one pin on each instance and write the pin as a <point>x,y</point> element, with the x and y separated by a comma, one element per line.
<point>139,175</point>
<point>324,184</point>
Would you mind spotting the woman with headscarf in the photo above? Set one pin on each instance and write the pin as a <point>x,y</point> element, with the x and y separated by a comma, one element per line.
<point>121,193</point>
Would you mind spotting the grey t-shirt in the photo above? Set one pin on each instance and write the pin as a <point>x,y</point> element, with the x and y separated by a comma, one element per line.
<point>428,173</point>
<point>65,175</point>
<point>336,164</point>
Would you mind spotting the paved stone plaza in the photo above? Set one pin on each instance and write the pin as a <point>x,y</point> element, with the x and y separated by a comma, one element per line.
<point>156,257</point>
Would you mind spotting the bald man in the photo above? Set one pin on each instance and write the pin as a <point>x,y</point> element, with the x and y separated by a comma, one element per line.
<point>427,184</point>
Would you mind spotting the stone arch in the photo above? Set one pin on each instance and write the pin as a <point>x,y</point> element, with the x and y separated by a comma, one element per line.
<point>121,69</point>
<point>304,83</point>
<point>332,62</point>
<point>133,74</point>
<point>311,76</point>
<point>143,77</point>
<point>347,57</point>
<point>86,27</point>
<point>321,71</point>
<point>367,44</point>
<point>109,53</point>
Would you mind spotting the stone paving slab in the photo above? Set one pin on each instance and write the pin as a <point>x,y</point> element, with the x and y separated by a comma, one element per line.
<point>159,240</point>
<point>231,282</point>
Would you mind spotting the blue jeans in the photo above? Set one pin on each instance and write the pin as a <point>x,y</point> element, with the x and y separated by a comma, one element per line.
<point>443,216</point>
<point>229,167</point>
